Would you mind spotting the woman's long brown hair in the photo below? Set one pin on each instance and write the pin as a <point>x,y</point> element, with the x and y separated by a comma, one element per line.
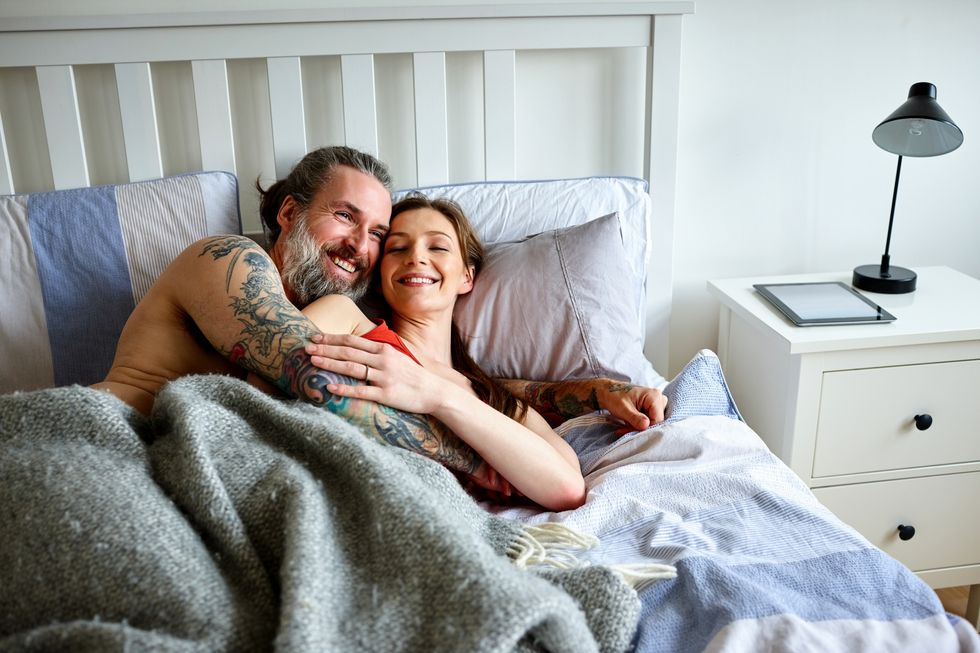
<point>486,387</point>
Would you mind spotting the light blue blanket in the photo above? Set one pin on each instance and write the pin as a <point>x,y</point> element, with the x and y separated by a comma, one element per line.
<point>761,564</point>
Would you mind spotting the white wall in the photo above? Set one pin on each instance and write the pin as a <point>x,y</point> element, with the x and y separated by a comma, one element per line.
<point>777,171</point>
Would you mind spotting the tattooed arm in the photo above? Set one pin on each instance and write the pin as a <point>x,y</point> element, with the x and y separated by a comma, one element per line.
<point>232,291</point>
<point>558,401</point>
<point>526,453</point>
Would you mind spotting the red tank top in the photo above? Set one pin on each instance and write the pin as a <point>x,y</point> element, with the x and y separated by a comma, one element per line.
<point>382,333</point>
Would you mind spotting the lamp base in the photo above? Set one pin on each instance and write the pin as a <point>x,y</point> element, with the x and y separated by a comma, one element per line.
<point>894,282</point>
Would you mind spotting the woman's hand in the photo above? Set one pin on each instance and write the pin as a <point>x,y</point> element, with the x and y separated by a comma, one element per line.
<point>390,377</point>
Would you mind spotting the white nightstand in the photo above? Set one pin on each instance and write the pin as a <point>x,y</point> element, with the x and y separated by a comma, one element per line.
<point>838,404</point>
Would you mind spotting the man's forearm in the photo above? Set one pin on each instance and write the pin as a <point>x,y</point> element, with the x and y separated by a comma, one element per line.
<point>271,340</point>
<point>419,433</point>
<point>558,401</point>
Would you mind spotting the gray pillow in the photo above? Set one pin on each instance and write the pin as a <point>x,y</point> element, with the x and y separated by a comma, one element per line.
<point>561,304</point>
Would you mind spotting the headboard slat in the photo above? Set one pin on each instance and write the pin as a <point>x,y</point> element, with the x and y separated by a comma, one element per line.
<point>63,126</point>
<point>431,121</point>
<point>500,113</point>
<point>286,105</point>
<point>213,104</point>
<point>360,104</point>
<point>660,156</point>
<point>137,109</point>
<point>6,177</point>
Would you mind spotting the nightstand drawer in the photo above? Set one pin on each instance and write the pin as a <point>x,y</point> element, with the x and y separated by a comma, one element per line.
<point>938,507</point>
<point>867,418</point>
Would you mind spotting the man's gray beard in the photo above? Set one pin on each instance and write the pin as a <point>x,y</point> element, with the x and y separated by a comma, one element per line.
<point>303,268</point>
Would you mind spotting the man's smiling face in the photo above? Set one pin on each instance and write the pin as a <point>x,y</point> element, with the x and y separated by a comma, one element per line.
<point>332,245</point>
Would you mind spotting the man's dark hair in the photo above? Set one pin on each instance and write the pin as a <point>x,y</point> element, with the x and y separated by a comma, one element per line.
<point>305,179</point>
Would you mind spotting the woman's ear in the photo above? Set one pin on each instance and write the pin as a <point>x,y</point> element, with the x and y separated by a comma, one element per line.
<point>288,211</point>
<point>468,283</point>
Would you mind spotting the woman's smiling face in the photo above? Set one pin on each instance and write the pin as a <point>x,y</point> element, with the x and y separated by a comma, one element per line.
<point>422,268</point>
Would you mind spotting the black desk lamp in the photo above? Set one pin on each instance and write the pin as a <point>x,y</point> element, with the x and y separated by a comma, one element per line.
<point>919,127</point>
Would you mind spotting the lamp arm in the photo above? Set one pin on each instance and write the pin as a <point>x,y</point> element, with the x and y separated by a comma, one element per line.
<point>891,218</point>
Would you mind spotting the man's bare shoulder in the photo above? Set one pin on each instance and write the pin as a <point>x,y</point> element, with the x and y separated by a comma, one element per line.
<point>212,256</point>
<point>164,338</point>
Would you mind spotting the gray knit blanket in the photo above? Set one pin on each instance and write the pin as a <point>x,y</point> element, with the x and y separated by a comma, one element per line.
<point>231,521</point>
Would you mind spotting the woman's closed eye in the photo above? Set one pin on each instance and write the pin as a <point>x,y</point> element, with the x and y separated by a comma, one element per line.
<point>402,248</point>
<point>439,243</point>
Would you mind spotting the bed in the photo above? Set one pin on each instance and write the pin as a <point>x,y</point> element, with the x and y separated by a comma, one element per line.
<point>228,520</point>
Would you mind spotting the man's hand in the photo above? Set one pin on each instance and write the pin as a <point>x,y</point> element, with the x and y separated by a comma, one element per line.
<point>638,406</point>
<point>558,401</point>
<point>490,480</point>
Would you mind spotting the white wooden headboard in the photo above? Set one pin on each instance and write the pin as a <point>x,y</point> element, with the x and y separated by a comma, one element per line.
<point>445,93</point>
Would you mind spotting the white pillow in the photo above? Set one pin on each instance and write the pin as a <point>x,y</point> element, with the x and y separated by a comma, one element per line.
<point>74,263</point>
<point>567,304</point>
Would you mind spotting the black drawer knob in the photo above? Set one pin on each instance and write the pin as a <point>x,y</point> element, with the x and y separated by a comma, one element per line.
<point>923,421</point>
<point>906,533</point>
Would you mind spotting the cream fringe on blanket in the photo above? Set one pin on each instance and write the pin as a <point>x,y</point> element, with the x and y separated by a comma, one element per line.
<point>556,544</point>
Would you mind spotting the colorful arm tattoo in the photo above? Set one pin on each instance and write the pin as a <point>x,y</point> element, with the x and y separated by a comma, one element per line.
<point>418,433</point>
<point>562,400</point>
<point>559,402</point>
<point>272,344</point>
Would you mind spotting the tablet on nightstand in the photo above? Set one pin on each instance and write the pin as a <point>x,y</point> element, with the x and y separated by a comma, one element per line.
<point>823,303</point>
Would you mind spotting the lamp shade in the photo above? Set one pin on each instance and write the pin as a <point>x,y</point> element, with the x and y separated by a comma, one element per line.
<point>919,127</point>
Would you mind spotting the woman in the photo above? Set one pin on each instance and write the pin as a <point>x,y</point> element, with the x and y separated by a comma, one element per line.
<point>431,255</point>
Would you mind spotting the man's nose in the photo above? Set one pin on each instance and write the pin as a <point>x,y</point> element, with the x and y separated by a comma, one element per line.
<point>358,240</point>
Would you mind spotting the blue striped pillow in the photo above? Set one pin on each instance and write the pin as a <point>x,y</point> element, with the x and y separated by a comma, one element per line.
<point>700,389</point>
<point>74,263</point>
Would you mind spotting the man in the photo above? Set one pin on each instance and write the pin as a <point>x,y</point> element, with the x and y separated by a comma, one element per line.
<point>226,306</point>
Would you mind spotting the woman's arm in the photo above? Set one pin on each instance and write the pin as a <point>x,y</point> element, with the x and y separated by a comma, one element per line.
<point>532,458</point>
